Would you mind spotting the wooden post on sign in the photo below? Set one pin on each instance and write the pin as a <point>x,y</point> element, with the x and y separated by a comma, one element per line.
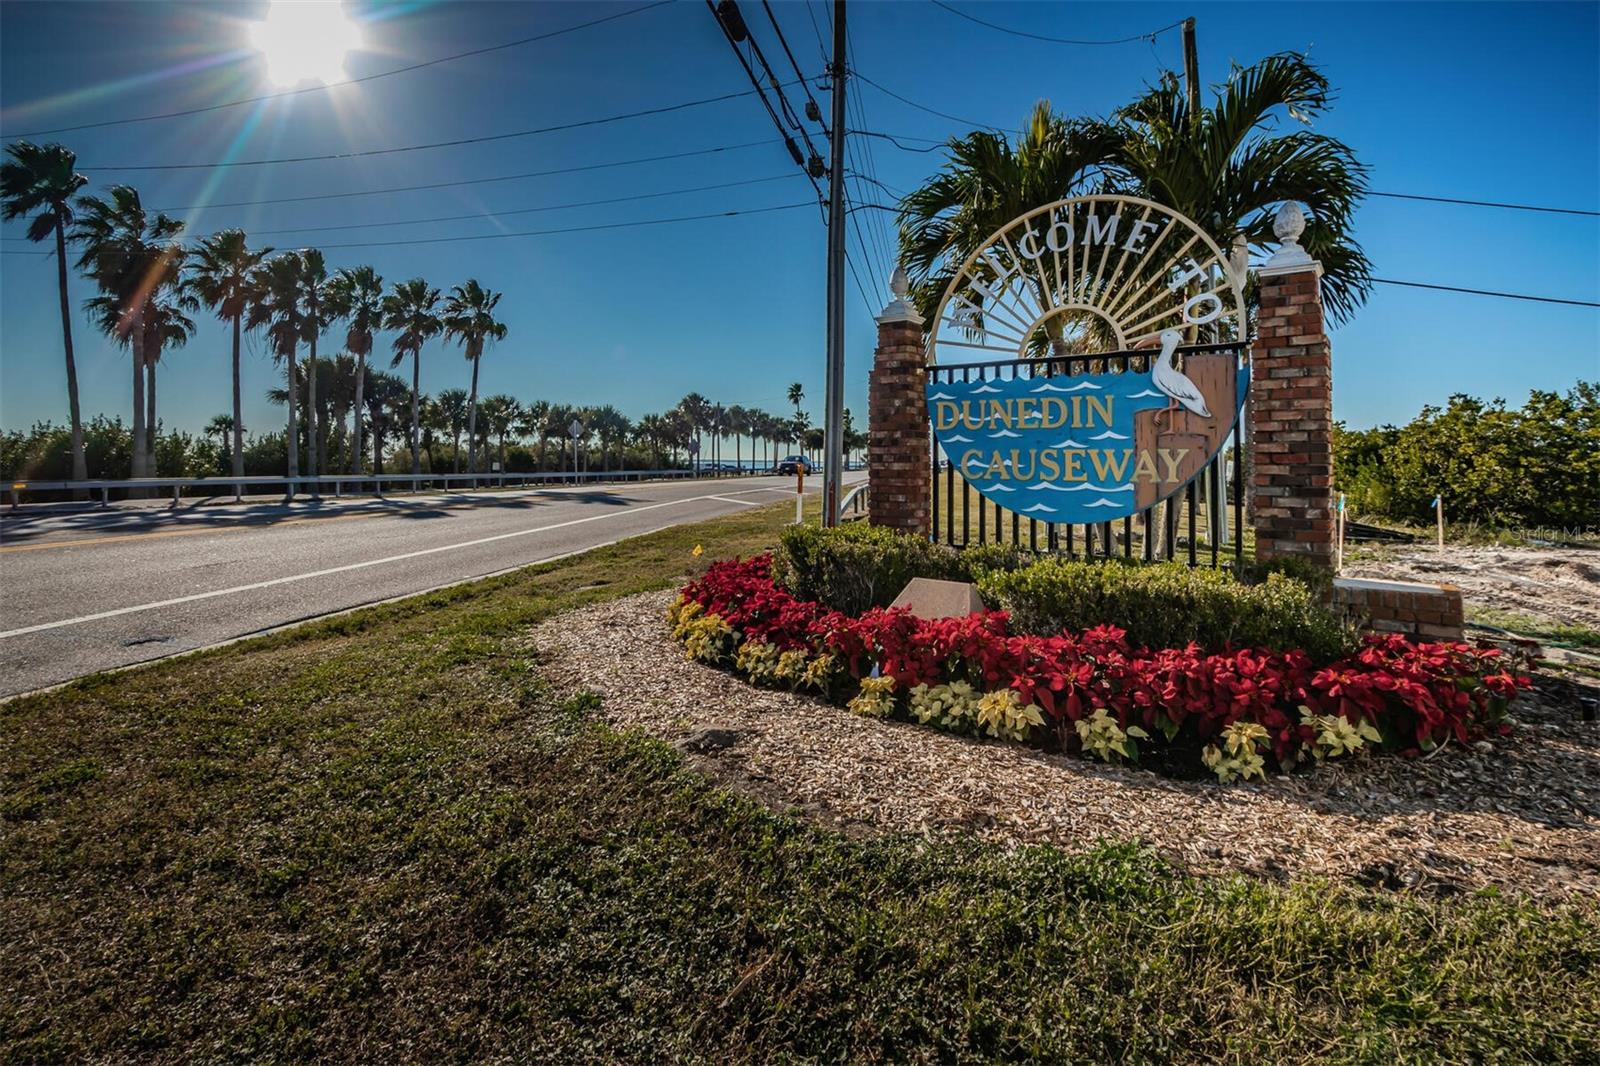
<point>799,493</point>
<point>1438,514</point>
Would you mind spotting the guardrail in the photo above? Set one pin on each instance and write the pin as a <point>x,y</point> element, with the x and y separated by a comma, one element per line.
<point>339,483</point>
<point>854,504</point>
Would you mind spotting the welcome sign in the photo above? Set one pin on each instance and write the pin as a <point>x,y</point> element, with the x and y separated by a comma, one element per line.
<point>1087,448</point>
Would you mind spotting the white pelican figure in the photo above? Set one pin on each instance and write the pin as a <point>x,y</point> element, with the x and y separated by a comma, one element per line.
<point>1171,381</point>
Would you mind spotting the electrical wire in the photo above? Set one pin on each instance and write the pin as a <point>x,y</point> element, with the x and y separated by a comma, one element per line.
<point>1487,203</point>
<point>924,107</point>
<point>487,215</point>
<point>486,138</point>
<point>777,89</point>
<point>773,18</point>
<point>572,229</point>
<point>478,181</point>
<point>1053,40</point>
<point>1487,292</point>
<point>349,81</point>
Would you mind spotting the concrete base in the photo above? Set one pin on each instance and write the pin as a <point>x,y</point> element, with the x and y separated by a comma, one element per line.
<point>930,598</point>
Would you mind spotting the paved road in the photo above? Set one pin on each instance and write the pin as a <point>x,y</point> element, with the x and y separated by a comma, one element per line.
<point>93,590</point>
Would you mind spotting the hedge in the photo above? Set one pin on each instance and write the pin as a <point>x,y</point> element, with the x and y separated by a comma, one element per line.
<point>1159,605</point>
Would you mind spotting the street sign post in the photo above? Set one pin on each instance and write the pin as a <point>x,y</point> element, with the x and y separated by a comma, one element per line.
<point>575,430</point>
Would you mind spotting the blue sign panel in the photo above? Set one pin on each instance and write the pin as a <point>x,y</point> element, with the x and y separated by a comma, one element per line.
<point>1089,448</point>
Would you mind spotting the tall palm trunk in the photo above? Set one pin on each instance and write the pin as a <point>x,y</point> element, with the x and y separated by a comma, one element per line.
<point>313,414</point>
<point>355,411</point>
<point>80,469</point>
<point>151,357</point>
<point>416,410</point>
<point>455,448</point>
<point>472,419</point>
<point>238,417</point>
<point>294,424</point>
<point>140,441</point>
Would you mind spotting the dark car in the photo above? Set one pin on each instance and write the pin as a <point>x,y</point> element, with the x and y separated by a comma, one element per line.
<point>794,464</point>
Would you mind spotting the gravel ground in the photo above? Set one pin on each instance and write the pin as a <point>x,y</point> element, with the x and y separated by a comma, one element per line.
<point>1559,586</point>
<point>1521,814</point>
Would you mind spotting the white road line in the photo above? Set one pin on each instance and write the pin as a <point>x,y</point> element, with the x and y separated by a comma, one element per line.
<point>177,600</point>
<point>730,499</point>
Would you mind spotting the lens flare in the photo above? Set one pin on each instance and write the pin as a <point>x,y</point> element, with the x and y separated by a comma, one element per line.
<point>305,40</point>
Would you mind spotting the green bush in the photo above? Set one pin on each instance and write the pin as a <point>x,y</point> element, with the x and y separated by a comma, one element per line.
<point>1167,605</point>
<point>855,567</point>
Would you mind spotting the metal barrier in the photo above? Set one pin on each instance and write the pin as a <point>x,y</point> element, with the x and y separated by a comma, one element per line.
<point>338,483</point>
<point>854,505</point>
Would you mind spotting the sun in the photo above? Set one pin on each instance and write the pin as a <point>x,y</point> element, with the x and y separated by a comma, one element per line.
<point>305,40</point>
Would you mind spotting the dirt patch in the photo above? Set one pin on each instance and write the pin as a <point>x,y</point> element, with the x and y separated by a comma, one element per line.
<point>1556,586</point>
<point>1520,814</point>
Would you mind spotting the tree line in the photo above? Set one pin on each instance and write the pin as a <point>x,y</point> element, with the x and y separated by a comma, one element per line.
<point>1533,466</point>
<point>342,412</point>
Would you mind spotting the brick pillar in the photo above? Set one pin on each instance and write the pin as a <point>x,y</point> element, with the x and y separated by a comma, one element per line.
<point>1291,404</point>
<point>897,411</point>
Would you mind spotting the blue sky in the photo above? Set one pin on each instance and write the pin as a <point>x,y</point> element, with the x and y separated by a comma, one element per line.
<point>1477,101</point>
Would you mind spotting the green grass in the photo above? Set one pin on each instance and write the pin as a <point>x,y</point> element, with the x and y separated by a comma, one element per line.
<point>380,837</point>
<point>1571,636</point>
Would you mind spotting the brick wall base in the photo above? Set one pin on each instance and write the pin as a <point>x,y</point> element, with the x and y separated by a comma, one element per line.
<point>898,442</point>
<point>1423,612</point>
<point>1291,420</point>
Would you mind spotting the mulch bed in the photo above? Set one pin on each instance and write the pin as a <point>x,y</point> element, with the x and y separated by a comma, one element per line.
<point>1521,814</point>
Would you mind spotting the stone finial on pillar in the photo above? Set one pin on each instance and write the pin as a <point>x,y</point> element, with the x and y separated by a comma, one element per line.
<point>897,412</point>
<point>1291,403</point>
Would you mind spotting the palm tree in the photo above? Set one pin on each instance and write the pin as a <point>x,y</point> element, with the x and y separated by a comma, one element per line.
<point>986,183</point>
<point>452,405</point>
<point>384,395</point>
<point>223,274</point>
<point>312,282</point>
<point>410,309</point>
<point>533,423</point>
<point>696,410</point>
<point>469,319</point>
<point>355,294</point>
<point>652,430</point>
<point>797,393</point>
<point>501,412</point>
<point>1226,168</point>
<point>41,181</point>
<point>609,424</point>
<point>131,256</point>
<point>166,325</point>
<point>277,307</point>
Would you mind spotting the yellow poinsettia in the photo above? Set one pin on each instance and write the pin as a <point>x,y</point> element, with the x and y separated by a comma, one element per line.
<point>1003,714</point>
<point>1103,738</point>
<point>876,698</point>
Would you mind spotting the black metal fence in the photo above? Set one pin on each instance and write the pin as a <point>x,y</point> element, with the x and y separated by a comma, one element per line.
<point>961,516</point>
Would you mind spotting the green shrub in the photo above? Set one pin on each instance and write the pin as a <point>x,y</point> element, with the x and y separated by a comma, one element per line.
<point>856,567</point>
<point>1167,605</point>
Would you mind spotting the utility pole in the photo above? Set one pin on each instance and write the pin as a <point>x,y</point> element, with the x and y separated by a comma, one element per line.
<point>833,427</point>
<point>1191,69</point>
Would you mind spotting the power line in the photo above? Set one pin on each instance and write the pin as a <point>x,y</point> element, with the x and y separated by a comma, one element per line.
<point>528,233</point>
<point>524,210</point>
<point>1053,40</point>
<point>486,138</point>
<point>924,107</point>
<point>349,81</point>
<point>1487,203</point>
<point>777,29</point>
<point>1487,292</point>
<point>571,229</point>
<point>478,181</point>
<point>755,82</point>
